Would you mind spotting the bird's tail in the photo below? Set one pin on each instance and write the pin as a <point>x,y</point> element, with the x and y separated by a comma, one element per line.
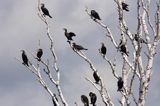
<point>143,41</point>
<point>103,56</point>
<point>127,53</point>
<point>97,82</point>
<point>127,9</point>
<point>25,64</point>
<point>85,49</point>
<point>39,59</point>
<point>50,16</point>
<point>119,90</point>
<point>94,104</point>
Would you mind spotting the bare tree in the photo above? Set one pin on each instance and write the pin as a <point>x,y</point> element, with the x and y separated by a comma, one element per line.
<point>147,36</point>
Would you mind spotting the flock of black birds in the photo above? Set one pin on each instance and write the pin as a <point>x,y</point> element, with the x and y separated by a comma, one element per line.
<point>139,39</point>
<point>93,99</point>
<point>69,36</point>
<point>25,58</point>
<point>122,47</point>
<point>94,14</point>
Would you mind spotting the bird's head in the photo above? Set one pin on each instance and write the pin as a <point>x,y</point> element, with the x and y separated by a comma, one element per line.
<point>136,35</point>
<point>69,41</point>
<point>73,43</point>
<point>119,78</point>
<point>102,43</point>
<point>39,49</point>
<point>91,93</point>
<point>42,4</point>
<point>22,51</point>
<point>92,10</point>
<point>124,4</point>
<point>65,29</point>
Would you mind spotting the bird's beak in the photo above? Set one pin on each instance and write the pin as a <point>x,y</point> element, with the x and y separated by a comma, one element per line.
<point>102,43</point>
<point>42,4</point>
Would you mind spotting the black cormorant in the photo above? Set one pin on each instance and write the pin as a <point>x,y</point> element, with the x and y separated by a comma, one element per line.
<point>93,98</point>
<point>24,58</point>
<point>45,10</point>
<point>125,6</point>
<point>78,47</point>
<point>139,39</point>
<point>39,54</point>
<point>120,84</point>
<point>85,100</point>
<point>95,15</point>
<point>123,48</point>
<point>96,77</point>
<point>103,50</point>
<point>69,35</point>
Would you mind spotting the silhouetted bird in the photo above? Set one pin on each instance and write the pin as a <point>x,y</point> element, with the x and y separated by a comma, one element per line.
<point>95,15</point>
<point>45,11</point>
<point>84,99</point>
<point>78,47</point>
<point>103,50</point>
<point>69,35</point>
<point>123,48</point>
<point>96,77</point>
<point>125,6</point>
<point>138,39</point>
<point>24,58</point>
<point>120,84</point>
<point>39,54</point>
<point>93,98</point>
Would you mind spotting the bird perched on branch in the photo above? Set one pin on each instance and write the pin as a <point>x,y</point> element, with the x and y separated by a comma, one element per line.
<point>85,100</point>
<point>123,48</point>
<point>45,10</point>
<point>139,39</point>
<point>125,6</point>
<point>96,77</point>
<point>120,84</point>
<point>78,47</point>
<point>95,15</point>
<point>24,58</point>
<point>39,54</point>
<point>103,50</point>
<point>93,98</point>
<point>68,35</point>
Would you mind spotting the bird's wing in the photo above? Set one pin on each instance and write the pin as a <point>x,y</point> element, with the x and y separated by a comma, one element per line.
<point>72,34</point>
